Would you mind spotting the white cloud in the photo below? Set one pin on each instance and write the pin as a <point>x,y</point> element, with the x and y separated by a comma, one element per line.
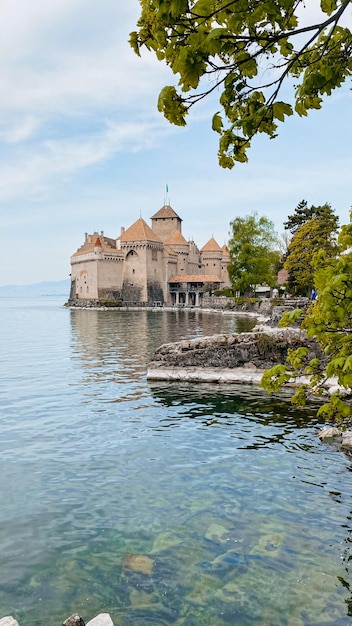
<point>50,66</point>
<point>20,130</point>
<point>33,169</point>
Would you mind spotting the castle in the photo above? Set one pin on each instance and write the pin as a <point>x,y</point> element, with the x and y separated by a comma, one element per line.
<point>148,265</point>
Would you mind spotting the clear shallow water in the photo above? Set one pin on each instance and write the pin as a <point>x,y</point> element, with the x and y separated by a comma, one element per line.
<point>194,505</point>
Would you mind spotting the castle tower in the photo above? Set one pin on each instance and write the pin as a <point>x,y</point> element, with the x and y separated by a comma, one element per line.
<point>143,275</point>
<point>224,263</point>
<point>211,255</point>
<point>181,247</point>
<point>165,222</point>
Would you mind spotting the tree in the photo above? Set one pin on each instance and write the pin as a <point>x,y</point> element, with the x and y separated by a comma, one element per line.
<point>329,322</point>
<point>316,235</point>
<point>303,213</point>
<point>245,50</point>
<point>253,253</point>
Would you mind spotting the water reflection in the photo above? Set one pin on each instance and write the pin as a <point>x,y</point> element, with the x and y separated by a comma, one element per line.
<point>116,346</point>
<point>237,399</point>
<point>103,333</point>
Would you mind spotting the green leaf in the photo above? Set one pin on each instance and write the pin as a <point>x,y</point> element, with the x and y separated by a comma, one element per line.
<point>178,7</point>
<point>280,109</point>
<point>202,8</point>
<point>171,104</point>
<point>217,123</point>
<point>328,6</point>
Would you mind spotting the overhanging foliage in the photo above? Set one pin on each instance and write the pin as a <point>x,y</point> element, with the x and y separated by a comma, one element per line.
<point>245,50</point>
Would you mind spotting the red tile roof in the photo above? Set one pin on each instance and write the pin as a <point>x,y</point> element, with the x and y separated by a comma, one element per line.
<point>176,239</point>
<point>139,231</point>
<point>165,211</point>
<point>211,246</point>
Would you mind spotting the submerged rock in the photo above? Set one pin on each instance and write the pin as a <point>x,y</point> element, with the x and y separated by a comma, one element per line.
<point>138,563</point>
<point>74,620</point>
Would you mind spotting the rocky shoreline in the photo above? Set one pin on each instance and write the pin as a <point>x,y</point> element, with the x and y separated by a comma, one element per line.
<point>240,358</point>
<point>237,357</point>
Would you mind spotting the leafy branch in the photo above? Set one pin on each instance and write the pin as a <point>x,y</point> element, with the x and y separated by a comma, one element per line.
<point>229,41</point>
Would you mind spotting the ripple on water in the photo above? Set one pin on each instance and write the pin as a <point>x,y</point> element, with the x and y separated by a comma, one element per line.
<point>165,504</point>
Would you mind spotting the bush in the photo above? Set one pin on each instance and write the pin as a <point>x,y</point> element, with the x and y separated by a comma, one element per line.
<point>227,292</point>
<point>110,303</point>
<point>242,300</point>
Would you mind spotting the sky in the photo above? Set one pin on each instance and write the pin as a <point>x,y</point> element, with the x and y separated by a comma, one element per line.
<point>83,147</point>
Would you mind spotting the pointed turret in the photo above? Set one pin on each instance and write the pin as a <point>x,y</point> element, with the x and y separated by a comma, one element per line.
<point>139,231</point>
<point>211,246</point>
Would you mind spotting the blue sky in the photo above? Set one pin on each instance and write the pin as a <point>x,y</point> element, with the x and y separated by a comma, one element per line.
<point>84,148</point>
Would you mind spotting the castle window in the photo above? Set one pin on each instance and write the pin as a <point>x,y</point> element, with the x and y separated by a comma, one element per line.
<point>154,255</point>
<point>133,271</point>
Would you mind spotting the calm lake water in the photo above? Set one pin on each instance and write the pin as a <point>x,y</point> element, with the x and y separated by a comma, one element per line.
<point>163,504</point>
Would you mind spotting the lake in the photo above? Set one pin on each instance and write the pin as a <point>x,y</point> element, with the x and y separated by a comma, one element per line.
<point>161,504</point>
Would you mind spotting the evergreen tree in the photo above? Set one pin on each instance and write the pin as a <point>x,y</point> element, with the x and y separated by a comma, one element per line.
<point>303,214</point>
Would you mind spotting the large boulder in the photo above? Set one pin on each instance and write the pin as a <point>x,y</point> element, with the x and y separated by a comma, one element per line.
<point>259,349</point>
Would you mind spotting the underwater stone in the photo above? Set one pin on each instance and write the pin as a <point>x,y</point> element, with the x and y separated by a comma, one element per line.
<point>74,620</point>
<point>138,563</point>
<point>165,541</point>
<point>217,532</point>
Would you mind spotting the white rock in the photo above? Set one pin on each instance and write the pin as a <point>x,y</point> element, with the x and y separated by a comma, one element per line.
<point>327,432</point>
<point>103,619</point>
<point>347,439</point>
<point>8,621</point>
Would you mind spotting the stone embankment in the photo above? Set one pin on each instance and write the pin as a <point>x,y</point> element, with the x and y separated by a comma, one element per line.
<point>265,309</point>
<point>238,357</point>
